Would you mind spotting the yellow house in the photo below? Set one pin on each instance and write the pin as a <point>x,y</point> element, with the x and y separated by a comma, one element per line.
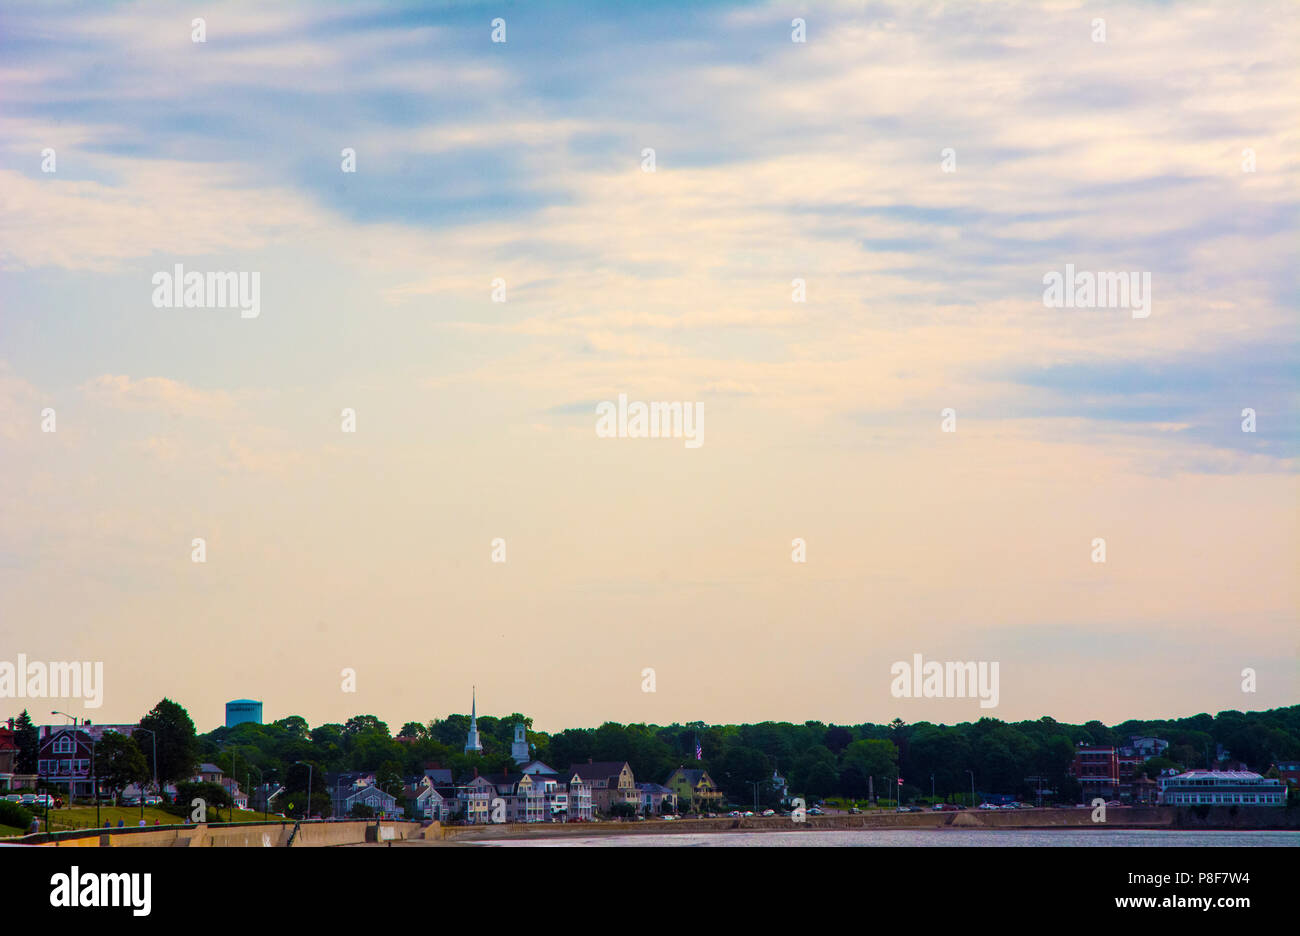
<point>695,789</point>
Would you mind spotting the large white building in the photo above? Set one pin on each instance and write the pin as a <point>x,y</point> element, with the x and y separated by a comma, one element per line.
<point>472,743</point>
<point>1221,788</point>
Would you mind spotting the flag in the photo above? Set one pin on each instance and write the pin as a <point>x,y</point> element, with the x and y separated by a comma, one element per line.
<point>900,781</point>
<point>699,751</point>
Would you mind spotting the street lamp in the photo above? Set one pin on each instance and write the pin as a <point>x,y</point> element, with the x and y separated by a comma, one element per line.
<point>972,788</point>
<point>261,783</point>
<point>306,814</point>
<point>755,785</point>
<point>153,735</point>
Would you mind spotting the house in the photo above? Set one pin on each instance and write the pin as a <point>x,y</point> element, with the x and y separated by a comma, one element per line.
<point>376,800</point>
<point>1289,771</point>
<point>580,804</point>
<point>474,799</point>
<point>611,783</point>
<point>653,797</point>
<point>1144,747</point>
<point>434,802</point>
<point>8,758</point>
<point>64,757</point>
<point>694,788</point>
<point>1221,788</point>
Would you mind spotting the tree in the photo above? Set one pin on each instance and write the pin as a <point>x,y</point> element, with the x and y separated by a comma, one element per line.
<point>28,739</point>
<point>119,762</point>
<point>873,758</point>
<point>177,745</point>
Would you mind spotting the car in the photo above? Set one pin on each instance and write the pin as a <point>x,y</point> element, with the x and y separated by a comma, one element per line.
<point>988,806</point>
<point>13,797</point>
<point>853,810</point>
<point>769,812</point>
<point>734,814</point>
<point>748,813</point>
<point>816,811</point>
<point>667,818</point>
<point>1114,802</point>
<point>27,799</point>
<point>152,800</point>
<point>130,801</point>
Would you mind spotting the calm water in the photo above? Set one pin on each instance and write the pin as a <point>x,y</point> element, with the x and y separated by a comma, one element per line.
<point>978,838</point>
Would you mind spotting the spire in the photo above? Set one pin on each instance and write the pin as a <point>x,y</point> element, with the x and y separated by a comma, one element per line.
<point>472,743</point>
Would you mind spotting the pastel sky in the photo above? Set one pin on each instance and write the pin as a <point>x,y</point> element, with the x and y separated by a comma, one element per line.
<point>774,160</point>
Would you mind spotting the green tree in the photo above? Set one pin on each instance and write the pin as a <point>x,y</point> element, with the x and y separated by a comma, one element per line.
<point>119,762</point>
<point>177,746</point>
<point>28,739</point>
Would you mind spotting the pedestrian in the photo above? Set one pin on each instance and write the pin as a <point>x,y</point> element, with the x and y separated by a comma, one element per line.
<point>35,826</point>
<point>121,824</point>
<point>142,823</point>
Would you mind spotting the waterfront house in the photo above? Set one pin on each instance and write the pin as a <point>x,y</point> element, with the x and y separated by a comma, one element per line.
<point>610,782</point>
<point>694,788</point>
<point>1096,767</point>
<point>654,796</point>
<point>64,757</point>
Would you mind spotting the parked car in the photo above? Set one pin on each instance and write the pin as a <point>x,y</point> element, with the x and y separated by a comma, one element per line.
<point>27,799</point>
<point>853,810</point>
<point>989,806</point>
<point>152,800</point>
<point>816,811</point>
<point>13,797</point>
<point>769,812</point>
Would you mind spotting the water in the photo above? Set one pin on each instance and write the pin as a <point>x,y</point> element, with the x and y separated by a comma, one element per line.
<point>959,838</point>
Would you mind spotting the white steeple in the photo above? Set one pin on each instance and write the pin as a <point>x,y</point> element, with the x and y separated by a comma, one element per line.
<point>519,750</point>
<point>472,744</point>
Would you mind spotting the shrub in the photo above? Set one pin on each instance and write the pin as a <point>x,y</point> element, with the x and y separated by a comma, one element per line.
<point>11,814</point>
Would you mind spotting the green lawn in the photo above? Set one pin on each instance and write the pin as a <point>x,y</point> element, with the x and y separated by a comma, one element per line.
<point>83,817</point>
<point>8,831</point>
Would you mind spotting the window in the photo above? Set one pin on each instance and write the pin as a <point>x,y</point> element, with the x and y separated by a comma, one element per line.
<point>64,745</point>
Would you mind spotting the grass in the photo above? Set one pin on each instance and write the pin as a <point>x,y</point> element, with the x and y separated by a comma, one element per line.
<point>83,817</point>
<point>8,831</point>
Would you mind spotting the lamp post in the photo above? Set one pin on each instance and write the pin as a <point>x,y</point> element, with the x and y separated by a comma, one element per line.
<point>153,735</point>
<point>306,814</point>
<point>754,784</point>
<point>260,783</point>
<point>972,788</point>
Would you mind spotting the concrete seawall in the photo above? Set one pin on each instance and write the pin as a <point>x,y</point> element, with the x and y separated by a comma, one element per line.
<point>242,835</point>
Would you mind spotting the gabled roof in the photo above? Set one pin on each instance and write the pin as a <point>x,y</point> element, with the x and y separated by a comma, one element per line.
<point>598,770</point>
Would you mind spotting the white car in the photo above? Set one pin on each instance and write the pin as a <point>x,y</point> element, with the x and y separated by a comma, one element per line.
<point>769,812</point>
<point>27,799</point>
<point>989,806</point>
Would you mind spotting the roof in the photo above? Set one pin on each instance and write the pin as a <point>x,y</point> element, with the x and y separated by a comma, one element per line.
<point>209,768</point>
<point>692,775</point>
<point>597,770</point>
<point>653,788</point>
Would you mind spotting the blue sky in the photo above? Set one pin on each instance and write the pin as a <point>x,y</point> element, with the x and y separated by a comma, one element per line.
<point>775,160</point>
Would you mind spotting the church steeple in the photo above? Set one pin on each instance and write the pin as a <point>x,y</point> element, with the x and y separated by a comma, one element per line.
<point>472,743</point>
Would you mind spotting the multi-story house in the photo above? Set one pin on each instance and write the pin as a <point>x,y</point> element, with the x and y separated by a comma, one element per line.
<point>1221,788</point>
<point>8,758</point>
<point>379,803</point>
<point>64,757</point>
<point>1289,771</point>
<point>694,788</point>
<point>474,799</point>
<point>611,783</point>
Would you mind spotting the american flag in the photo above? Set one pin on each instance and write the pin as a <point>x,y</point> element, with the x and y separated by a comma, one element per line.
<point>699,751</point>
<point>900,781</point>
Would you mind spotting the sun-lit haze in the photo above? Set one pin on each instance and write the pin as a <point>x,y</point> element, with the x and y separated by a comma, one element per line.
<point>475,420</point>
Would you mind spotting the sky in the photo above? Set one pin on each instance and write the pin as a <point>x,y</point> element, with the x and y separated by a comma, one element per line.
<point>921,167</point>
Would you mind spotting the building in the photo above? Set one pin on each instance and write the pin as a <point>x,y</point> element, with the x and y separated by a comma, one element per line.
<point>472,743</point>
<point>376,800</point>
<point>239,711</point>
<point>8,758</point>
<point>64,757</point>
<point>1221,788</point>
<point>1289,772</point>
<point>653,797</point>
<point>1145,747</point>
<point>611,783</point>
<point>519,750</point>
<point>1096,767</point>
<point>695,789</point>
<point>474,799</point>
